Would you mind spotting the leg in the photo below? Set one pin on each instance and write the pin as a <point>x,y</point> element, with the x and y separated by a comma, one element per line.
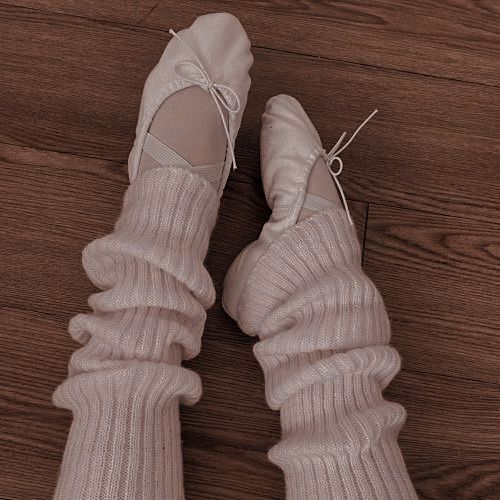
<point>324,333</point>
<point>125,385</point>
<point>326,359</point>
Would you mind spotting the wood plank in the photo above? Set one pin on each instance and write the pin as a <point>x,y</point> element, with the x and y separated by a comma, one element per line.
<point>72,83</point>
<point>466,480</point>
<point>131,12</point>
<point>440,280</point>
<point>451,439</point>
<point>439,277</point>
<point>219,473</point>
<point>450,39</point>
<point>78,83</point>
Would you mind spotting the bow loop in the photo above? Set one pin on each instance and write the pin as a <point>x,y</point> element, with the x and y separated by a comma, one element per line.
<point>330,162</point>
<point>192,73</point>
<point>195,74</point>
<point>227,97</point>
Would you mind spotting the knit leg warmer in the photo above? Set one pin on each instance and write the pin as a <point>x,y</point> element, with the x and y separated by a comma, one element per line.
<point>125,384</point>
<point>324,350</point>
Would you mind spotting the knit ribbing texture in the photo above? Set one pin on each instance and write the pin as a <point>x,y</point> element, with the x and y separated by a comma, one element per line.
<point>324,336</point>
<point>125,384</point>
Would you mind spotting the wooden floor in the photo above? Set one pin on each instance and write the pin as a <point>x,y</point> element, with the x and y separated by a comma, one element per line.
<point>423,177</point>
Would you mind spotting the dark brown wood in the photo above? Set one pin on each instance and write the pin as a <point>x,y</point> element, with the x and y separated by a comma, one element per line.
<point>456,39</point>
<point>440,278</point>
<point>451,437</point>
<point>424,175</point>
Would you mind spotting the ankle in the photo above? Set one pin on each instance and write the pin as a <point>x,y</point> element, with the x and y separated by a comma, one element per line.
<point>320,183</point>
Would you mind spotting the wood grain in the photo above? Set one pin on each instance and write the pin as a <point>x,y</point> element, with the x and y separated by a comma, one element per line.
<point>440,278</point>
<point>418,153</point>
<point>455,39</point>
<point>450,441</point>
<point>424,176</point>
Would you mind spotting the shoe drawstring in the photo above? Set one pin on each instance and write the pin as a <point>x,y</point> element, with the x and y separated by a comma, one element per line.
<point>223,96</point>
<point>333,156</point>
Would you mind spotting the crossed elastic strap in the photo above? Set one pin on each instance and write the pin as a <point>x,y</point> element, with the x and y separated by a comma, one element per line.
<point>167,157</point>
<point>223,96</point>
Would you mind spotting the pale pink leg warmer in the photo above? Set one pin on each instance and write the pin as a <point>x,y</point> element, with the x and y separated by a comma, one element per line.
<point>125,384</point>
<point>324,337</point>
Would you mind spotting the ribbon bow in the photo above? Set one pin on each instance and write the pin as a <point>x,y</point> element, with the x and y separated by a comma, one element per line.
<point>333,156</point>
<point>224,97</point>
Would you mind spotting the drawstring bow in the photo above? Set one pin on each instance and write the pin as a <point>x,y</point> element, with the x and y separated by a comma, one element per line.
<point>224,96</point>
<point>334,156</point>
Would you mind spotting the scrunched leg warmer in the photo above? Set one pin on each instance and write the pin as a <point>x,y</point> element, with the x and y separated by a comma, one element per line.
<point>324,336</point>
<point>125,384</point>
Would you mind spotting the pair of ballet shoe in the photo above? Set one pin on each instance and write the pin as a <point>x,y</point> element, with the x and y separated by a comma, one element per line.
<point>214,54</point>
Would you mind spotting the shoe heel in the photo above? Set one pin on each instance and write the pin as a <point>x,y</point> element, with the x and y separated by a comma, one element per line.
<point>237,276</point>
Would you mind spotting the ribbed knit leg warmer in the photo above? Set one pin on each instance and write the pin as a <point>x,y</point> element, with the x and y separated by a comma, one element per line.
<point>324,337</point>
<point>125,384</point>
